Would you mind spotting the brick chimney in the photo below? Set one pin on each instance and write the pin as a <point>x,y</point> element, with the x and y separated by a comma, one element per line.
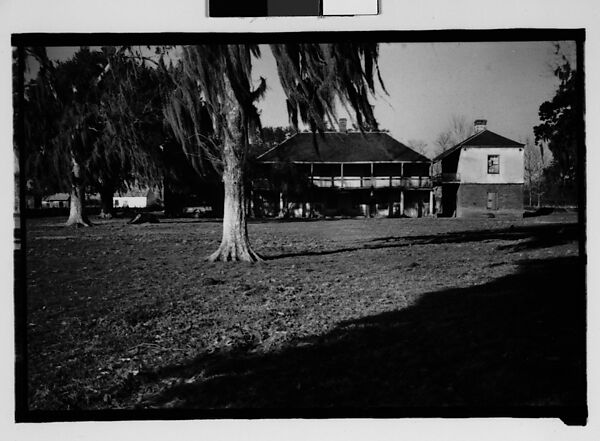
<point>343,122</point>
<point>480,125</point>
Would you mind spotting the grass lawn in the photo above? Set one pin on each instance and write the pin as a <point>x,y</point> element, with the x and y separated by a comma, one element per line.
<point>344,314</point>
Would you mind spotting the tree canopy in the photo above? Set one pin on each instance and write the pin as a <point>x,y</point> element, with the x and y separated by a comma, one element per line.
<point>62,115</point>
<point>215,84</point>
<point>559,118</point>
<point>313,77</point>
<point>102,108</point>
<point>108,119</point>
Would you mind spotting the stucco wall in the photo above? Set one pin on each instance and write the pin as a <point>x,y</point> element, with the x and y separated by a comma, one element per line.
<point>473,168</point>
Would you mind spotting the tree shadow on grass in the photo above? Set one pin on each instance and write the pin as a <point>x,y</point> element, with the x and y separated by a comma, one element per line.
<point>516,342</point>
<point>534,236</point>
<point>527,237</point>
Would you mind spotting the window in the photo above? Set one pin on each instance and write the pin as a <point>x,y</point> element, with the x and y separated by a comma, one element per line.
<point>493,164</point>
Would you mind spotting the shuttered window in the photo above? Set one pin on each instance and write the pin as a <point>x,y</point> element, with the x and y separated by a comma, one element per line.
<point>493,164</point>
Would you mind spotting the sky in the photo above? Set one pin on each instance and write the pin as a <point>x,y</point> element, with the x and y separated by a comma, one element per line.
<point>429,83</point>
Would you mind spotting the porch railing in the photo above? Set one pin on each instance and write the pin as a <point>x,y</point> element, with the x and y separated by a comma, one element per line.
<point>368,182</point>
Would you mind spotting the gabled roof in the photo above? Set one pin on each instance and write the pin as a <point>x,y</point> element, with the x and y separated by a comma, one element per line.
<point>485,138</point>
<point>341,147</point>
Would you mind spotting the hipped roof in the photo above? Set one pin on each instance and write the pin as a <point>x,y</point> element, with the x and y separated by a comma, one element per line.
<point>342,147</point>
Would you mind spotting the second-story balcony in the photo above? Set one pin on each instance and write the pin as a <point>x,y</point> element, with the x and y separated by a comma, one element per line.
<point>351,182</point>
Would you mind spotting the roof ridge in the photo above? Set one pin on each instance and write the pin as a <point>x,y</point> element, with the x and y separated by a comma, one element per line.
<point>456,146</point>
<point>474,135</point>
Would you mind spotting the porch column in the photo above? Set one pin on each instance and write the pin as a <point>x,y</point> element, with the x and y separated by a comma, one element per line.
<point>312,173</point>
<point>401,202</point>
<point>280,204</point>
<point>342,174</point>
<point>431,202</point>
<point>372,203</point>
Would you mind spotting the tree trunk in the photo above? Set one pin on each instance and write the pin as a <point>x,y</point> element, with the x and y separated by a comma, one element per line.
<point>249,203</point>
<point>77,216</point>
<point>235,245</point>
<point>106,202</point>
<point>168,200</point>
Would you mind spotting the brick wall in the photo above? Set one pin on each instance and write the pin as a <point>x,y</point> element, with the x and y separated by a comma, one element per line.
<point>472,200</point>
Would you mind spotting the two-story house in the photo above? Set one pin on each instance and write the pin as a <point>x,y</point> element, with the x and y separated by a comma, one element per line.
<point>480,176</point>
<point>345,173</point>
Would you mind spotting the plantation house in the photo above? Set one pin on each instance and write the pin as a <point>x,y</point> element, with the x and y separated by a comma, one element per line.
<point>480,176</point>
<point>372,174</point>
<point>343,173</point>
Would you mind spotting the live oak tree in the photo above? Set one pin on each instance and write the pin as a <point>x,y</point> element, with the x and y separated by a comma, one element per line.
<point>558,130</point>
<point>94,121</point>
<point>218,78</point>
<point>130,149</point>
<point>62,123</point>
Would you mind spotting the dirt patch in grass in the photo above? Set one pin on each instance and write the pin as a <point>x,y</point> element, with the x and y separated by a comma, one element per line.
<point>346,313</point>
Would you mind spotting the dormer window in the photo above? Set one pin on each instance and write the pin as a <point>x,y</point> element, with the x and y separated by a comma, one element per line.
<point>493,164</point>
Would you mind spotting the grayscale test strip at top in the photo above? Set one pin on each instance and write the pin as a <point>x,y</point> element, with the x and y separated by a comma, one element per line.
<point>291,8</point>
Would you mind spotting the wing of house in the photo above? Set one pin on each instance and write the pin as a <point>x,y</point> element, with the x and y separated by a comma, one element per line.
<point>482,175</point>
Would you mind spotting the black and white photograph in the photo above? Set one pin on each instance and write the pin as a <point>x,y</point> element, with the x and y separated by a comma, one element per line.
<point>370,224</point>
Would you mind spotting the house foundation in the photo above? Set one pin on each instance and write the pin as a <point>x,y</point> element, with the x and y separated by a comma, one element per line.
<point>476,200</point>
